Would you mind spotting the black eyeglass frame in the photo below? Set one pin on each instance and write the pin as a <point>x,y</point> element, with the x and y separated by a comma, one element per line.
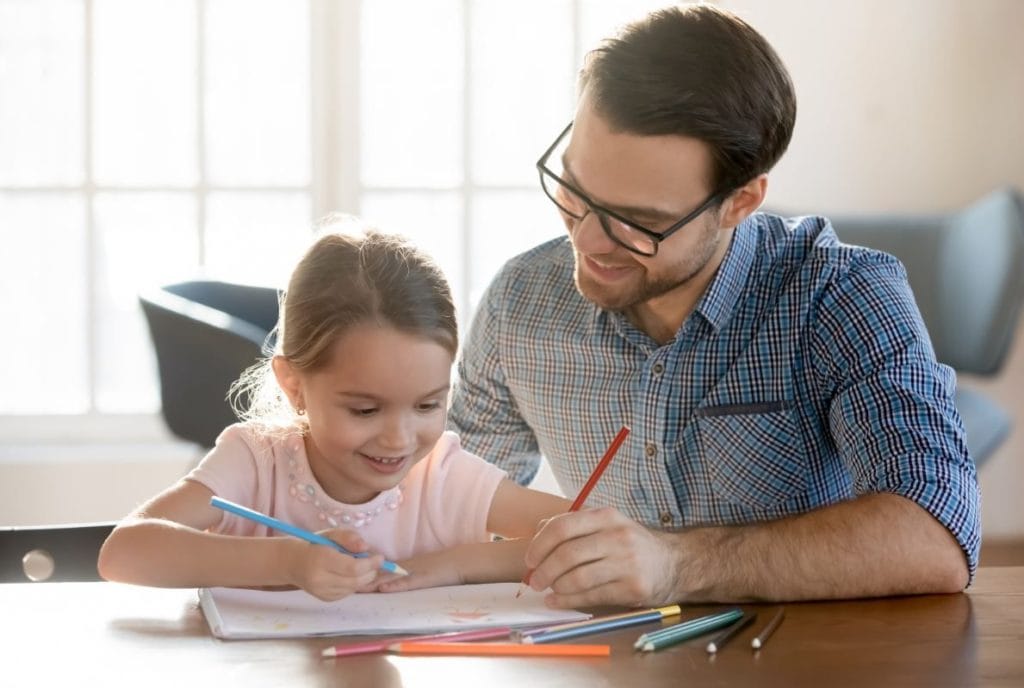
<point>603,213</point>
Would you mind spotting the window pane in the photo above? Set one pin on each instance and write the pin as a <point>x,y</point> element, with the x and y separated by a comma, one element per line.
<point>411,93</point>
<point>432,221</point>
<point>41,92</point>
<point>143,240</point>
<point>145,96</point>
<point>504,224</point>
<point>44,353</point>
<point>257,92</point>
<point>521,96</point>
<point>255,237</point>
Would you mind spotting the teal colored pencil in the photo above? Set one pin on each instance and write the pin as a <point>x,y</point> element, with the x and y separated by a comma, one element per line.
<point>301,533</point>
<point>686,630</point>
<point>598,625</point>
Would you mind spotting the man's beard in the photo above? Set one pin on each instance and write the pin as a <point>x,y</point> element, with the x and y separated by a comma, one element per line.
<point>625,296</point>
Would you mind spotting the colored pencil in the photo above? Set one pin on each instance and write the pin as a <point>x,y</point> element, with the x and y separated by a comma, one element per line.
<point>608,623</point>
<point>589,485</point>
<point>506,649</point>
<point>382,645</point>
<point>686,630</point>
<point>300,533</point>
<point>719,641</point>
<point>671,610</point>
<point>762,637</point>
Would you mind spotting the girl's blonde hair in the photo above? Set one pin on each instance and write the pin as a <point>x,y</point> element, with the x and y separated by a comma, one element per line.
<point>346,278</point>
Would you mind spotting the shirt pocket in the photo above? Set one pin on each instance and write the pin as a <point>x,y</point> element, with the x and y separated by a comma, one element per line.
<point>753,452</point>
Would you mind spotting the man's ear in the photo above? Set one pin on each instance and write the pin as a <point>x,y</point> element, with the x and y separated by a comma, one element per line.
<point>744,201</point>
<point>288,380</point>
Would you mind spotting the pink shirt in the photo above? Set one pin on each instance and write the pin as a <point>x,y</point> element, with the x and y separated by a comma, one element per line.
<point>443,501</point>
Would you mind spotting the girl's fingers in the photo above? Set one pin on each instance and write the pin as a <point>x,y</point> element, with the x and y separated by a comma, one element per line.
<point>348,539</point>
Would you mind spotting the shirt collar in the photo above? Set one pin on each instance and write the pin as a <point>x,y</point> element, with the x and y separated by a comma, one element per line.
<point>719,301</point>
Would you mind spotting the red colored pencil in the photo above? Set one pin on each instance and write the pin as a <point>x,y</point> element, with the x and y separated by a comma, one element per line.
<point>588,487</point>
<point>372,646</point>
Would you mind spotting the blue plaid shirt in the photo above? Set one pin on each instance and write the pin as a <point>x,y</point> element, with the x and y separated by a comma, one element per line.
<point>803,377</point>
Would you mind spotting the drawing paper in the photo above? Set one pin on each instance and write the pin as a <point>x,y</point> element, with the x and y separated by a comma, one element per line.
<point>241,613</point>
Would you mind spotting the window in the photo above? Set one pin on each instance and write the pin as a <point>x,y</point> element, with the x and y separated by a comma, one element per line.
<point>148,141</point>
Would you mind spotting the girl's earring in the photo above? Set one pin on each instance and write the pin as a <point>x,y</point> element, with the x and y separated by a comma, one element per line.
<point>301,410</point>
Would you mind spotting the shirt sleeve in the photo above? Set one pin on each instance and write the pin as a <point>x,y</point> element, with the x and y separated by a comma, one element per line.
<point>229,470</point>
<point>458,491</point>
<point>483,408</point>
<point>892,412</point>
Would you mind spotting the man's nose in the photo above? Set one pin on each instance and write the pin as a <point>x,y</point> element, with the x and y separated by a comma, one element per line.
<point>589,235</point>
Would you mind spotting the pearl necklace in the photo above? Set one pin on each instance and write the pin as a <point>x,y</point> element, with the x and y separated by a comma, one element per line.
<point>309,492</point>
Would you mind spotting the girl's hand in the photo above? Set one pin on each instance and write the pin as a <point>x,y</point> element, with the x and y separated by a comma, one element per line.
<point>425,571</point>
<point>326,573</point>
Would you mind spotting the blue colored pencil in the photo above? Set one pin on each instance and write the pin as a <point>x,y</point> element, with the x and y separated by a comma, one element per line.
<point>686,630</point>
<point>608,623</point>
<point>301,533</point>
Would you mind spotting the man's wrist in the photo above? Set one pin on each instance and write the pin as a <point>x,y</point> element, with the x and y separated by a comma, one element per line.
<point>694,556</point>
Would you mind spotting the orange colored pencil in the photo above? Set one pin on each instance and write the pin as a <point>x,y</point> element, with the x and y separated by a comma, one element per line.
<point>501,649</point>
<point>588,487</point>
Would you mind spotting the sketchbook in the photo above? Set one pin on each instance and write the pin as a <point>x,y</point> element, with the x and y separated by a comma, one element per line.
<point>241,613</point>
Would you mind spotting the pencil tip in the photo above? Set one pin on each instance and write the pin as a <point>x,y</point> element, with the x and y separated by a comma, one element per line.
<point>329,652</point>
<point>400,571</point>
<point>519,592</point>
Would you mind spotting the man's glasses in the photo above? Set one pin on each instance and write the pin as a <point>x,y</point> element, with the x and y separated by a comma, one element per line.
<point>576,204</point>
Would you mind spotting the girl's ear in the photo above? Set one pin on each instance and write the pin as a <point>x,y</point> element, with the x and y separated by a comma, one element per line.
<point>288,380</point>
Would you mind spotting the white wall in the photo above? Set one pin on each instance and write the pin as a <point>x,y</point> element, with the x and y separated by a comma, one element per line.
<point>903,105</point>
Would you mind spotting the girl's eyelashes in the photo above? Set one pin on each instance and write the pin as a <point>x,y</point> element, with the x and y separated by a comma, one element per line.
<point>425,407</point>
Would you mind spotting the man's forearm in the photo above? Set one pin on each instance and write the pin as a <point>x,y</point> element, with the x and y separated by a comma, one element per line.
<point>875,545</point>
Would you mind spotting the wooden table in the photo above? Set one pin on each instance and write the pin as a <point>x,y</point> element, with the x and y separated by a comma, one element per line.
<point>104,634</point>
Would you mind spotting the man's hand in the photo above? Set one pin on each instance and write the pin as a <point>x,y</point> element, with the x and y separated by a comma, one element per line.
<point>601,557</point>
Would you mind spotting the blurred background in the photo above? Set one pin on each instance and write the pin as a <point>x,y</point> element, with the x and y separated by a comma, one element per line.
<point>149,141</point>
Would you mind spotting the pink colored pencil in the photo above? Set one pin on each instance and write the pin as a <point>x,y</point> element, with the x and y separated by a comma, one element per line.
<point>382,645</point>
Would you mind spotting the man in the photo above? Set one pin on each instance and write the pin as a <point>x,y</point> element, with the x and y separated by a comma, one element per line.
<point>792,435</point>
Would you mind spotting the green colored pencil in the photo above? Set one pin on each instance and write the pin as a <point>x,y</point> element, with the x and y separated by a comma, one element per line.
<point>686,630</point>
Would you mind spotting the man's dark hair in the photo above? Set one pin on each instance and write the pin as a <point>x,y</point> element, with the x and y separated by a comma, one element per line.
<point>701,72</point>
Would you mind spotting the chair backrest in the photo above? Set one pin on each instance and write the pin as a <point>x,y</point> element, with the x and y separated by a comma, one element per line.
<point>51,553</point>
<point>966,270</point>
<point>205,333</point>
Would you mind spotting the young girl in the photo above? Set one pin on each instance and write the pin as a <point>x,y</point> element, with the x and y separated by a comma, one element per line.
<point>344,434</point>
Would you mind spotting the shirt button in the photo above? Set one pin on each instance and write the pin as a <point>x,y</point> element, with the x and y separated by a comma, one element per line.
<point>666,518</point>
<point>658,369</point>
<point>651,450</point>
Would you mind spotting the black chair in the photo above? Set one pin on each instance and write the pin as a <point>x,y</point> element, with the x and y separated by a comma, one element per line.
<point>967,272</point>
<point>205,333</point>
<point>57,553</point>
